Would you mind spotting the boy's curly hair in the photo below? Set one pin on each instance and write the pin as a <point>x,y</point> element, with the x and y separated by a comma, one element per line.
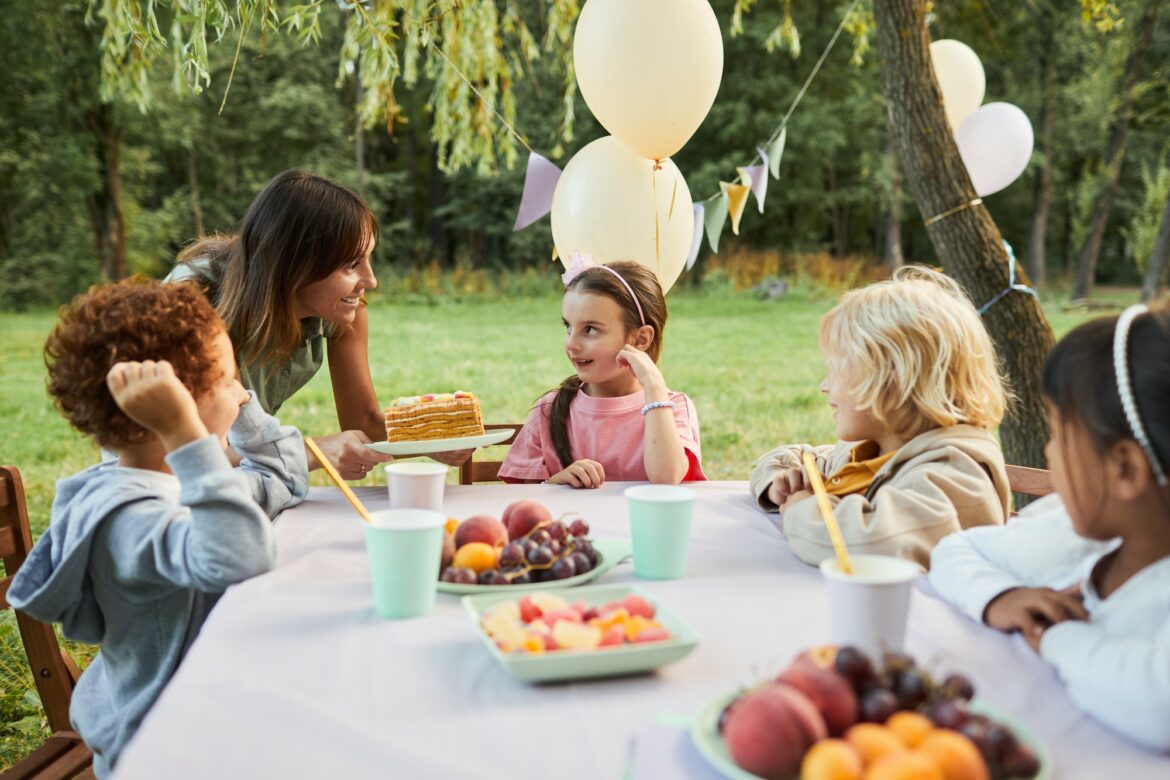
<point>136,319</point>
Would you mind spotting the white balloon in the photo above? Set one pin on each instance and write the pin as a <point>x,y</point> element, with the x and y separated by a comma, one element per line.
<point>996,145</point>
<point>611,204</point>
<point>960,77</point>
<point>649,69</point>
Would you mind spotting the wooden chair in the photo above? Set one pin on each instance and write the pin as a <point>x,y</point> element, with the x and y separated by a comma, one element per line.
<point>63,755</point>
<point>473,471</point>
<point>1029,481</point>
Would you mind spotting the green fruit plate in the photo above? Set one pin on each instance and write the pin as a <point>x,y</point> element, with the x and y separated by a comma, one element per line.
<point>611,552</point>
<point>584,664</point>
<point>709,742</point>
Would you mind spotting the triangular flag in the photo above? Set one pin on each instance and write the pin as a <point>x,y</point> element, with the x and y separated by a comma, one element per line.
<point>736,200</point>
<point>756,177</point>
<point>714,215</point>
<point>540,181</point>
<point>697,239</point>
<point>776,151</point>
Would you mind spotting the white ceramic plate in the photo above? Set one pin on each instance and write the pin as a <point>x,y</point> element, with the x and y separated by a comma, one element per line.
<point>427,446</point>
<point>612,552</point>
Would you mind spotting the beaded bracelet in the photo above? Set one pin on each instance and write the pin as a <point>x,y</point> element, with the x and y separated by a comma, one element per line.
<point>657,405</point>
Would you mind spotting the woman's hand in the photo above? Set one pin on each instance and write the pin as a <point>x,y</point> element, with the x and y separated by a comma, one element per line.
<point>786,483</point>
<point>348,452</point>
<point>645,371</point>
<point>580,474</point>
<point>151,395</point>
<point>1031,611</point>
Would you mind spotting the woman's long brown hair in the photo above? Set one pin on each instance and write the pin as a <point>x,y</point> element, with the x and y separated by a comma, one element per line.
<point>299,229</point>
<point>598,282</point>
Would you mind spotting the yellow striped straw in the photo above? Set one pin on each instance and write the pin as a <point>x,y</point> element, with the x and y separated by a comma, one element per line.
<point>818,486</point>
<point>332,472</point>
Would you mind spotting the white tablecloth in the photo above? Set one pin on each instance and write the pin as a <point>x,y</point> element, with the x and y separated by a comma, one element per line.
<point>295,676</point>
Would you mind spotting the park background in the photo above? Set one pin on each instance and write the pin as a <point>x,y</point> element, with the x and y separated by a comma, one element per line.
<point>464,302</point>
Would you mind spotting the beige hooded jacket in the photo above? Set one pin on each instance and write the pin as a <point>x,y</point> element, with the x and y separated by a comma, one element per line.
<point>941,481</point>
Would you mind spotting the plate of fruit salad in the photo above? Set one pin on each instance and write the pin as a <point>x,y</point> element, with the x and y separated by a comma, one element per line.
<point>525,549</point>
<point>837,713</point>
<point>605,631</point>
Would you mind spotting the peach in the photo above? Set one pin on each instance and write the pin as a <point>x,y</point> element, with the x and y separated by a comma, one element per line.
<point>769,730</point>
<point>911,727</point>
<point>956,755</point>
<point>830,692</point>
<point>831,759</point>
<point>481,528</point>
<point>520,517</point>
<point>904,765</point>
<point>873,741</point>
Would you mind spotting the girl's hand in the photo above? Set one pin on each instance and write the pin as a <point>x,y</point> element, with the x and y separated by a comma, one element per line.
<point>1031,611</point>
<point>580,474</point>
<point>785,483</point>
<point>645,370</point>
<point>151,395</point>
<point>348,452</point>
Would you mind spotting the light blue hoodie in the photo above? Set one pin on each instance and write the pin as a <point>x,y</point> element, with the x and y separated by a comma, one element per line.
<point>134,560</point>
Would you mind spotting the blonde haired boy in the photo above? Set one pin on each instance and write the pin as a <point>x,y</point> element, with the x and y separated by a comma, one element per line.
<point>915,391</point>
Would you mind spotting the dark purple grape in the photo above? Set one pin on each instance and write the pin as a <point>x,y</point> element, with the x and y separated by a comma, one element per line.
<point>976,731</point>
<point>948,714</point>
<point>959,687</point>
<point>556,530</point>
<point>540,575</point>
<point>448,575</point>
<point>579,528</point>
<point>520,578</point>
<point>541,556</point>
<point>540,536</point>
<point>563,569</point>
<point>586,546</point>
<point>459,576</point>
<point>878,705</point>
<point>512,555</point>
<point>1001,740</point>
<point>581,561</point>
<point>486,575</point>
<point>555,547</point>
<point>912,689</point>
<point>1021,762</point>
<point>498,578</point>
<point>854,665</point>
<point>528,545</point>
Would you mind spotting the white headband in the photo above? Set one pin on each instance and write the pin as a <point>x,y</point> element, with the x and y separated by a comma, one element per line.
<point>1125,389</point>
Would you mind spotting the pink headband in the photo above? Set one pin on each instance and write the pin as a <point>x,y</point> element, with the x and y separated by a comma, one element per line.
<point>579,264</point>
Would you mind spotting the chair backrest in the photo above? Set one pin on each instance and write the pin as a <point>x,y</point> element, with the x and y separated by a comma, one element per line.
<point>473,471</point>
<point>1029,481</point>
<point>54,672</point>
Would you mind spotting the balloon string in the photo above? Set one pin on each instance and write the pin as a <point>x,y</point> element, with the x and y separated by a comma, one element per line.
<point>654,190</point>
<point>482,99</point>
<point>949,212</point>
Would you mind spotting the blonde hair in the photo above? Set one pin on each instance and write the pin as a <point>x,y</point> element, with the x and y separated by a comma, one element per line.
<point>917,352</point>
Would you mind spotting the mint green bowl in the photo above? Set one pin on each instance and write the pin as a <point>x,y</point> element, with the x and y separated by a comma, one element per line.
<point>586,664</point>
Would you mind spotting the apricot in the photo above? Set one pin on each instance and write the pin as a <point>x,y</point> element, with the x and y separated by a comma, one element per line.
<point>831,759</point>
<point>873,741</point>
<point>481,528</point>
<point>910,727</point>
<point>520,517</point>
<point>476,556</point>
<point>904,765</point>
<point>957,756</point>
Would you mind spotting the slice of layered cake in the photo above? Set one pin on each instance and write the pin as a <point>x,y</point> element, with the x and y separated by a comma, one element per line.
<point>433,416</point>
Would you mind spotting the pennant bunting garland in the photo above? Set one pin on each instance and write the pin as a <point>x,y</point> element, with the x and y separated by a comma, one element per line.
<point>776,151</point>
<point>540,181</point>
<point>736,195</point>
<point>714,215</point>
<point>756,177</point>
<point>697,241</point>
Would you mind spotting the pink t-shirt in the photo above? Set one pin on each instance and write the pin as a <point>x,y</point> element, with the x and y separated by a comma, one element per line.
<point>607,430</point>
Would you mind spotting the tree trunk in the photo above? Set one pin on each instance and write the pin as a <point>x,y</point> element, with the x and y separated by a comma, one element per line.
<point>1156,267</point>
<point>193,183</point>
<point>440,238</point>
<point>893,249</point>
<point>1090,250</point>
<point>967,242</point>
<point>105,204</point>
<point>1042,194</point>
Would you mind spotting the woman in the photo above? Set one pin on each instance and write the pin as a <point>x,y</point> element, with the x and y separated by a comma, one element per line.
<point>289,286</point>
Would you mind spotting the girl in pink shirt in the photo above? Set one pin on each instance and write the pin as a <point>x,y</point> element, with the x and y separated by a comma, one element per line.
<point>614,418</point>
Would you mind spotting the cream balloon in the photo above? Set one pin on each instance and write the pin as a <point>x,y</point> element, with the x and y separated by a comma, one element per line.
<point>960,78</point>
<point>612,205</point>
<point>649,69</point>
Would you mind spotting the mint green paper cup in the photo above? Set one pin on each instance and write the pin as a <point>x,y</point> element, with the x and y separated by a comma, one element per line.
<point>404,546</point>
<point>660,529</point>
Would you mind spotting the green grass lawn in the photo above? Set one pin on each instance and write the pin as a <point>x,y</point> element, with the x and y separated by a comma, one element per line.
<point>752,369</point>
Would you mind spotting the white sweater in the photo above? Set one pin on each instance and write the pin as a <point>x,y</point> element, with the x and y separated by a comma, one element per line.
<point>1117,665</point>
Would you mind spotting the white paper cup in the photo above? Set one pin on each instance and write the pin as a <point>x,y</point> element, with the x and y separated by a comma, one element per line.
<point>868,608</point>
<point>416,485</point>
